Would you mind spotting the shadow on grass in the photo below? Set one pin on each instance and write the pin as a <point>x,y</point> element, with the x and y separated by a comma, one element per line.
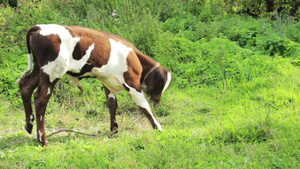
<point>19,139</point>
<point>16,140</point>
<point>66,136</point>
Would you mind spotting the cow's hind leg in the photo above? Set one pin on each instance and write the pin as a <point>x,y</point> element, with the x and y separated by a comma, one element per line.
<point>140,100</point>
<point>112,105</point>
<point>27,85</point>
<point>41,98</point>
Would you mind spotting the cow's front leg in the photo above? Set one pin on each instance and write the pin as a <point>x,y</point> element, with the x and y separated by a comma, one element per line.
<point>111,101</point>
<point>140,100</point>
<point>41,98</point>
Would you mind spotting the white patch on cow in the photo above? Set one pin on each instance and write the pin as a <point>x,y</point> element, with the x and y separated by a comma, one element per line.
<point>111,74</point>
<point>58,67</point>
<point>29,62</point>
<point>31,118</point>
<point>112,95</point>
<point>55,69</point>
<point>49,91</point>
<point>140,100</point>
<point>117,64</point>
<point>76,65</point>
<point>41,118</point>
<point>59,30</point>
<point>111,81</point>
<point>167,83</point>
<point>40,135</point>
<point>29,67</point>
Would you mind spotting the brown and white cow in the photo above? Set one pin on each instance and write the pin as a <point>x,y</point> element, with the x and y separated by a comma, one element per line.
<point>80,52</point>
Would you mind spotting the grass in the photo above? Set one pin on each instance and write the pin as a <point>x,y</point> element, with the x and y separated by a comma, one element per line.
<point>233,101</point>
<point>205,128</point>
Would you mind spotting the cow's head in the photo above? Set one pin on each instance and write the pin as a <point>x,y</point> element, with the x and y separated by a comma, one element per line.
<point>157,82</point>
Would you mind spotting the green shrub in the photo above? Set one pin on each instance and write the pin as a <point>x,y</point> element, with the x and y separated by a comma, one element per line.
<point>233,100</point>
<point>293,32</point>
<point>12,3</point>
<point>208,62</point>
<point>275,45</point>
<point>263,7</point>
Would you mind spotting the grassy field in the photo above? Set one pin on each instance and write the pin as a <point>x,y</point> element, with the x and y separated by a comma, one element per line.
<point>233,101</point>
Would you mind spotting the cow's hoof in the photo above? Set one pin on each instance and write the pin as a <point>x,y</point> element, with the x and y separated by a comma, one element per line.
<point>42,142</point>
<point>28,127</point>
<point>158,127</point>
<point>46,144</point>
<point>115,130</point>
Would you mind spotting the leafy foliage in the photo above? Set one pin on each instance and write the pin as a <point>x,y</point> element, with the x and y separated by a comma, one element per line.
<point>233,101</point>
<point>263,7</point>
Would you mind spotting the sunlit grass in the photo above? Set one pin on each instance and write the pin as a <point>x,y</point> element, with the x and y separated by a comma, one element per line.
<point>204,128</point>
<point>233,101</point>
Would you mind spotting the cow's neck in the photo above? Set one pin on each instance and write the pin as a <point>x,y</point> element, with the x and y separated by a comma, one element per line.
<point>149,65</point>
<point>151,70</point>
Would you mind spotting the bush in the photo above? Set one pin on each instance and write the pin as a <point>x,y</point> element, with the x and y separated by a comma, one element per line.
<point>207,62</point>
<point>12,3</point>
<point>237,104</point>
<point>293,32</point>
<point>263,8</point>
<point>275,45</point>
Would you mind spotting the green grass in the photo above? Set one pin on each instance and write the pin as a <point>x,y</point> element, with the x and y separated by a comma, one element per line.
<point>202,128</point>
<point>233,101</point>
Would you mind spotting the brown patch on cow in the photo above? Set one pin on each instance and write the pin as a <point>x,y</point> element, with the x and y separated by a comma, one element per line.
<point>112,106</point>
<point>146,62</point>
<point>134,71</point>
<point>29,33</point>
<point>145,111</point>
<point>101,54</point>
<point>45,46</point>
<point>81,48</point>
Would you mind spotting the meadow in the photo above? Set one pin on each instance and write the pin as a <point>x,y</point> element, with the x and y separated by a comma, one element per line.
<point>233,101</point>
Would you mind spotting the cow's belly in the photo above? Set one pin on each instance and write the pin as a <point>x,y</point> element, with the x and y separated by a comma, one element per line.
<point>113,81</point>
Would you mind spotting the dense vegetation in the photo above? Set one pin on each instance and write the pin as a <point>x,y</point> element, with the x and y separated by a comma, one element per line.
<point>233,101</point>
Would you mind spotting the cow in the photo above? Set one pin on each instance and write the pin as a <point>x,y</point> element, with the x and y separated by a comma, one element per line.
<point>80,52</point>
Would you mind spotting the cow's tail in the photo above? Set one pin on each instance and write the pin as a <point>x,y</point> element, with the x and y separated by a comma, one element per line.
<point>29,59</point>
